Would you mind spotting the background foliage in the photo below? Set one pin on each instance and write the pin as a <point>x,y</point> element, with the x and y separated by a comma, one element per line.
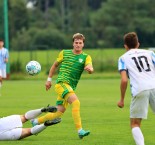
<point>104,60</point>
<point>103,22</point>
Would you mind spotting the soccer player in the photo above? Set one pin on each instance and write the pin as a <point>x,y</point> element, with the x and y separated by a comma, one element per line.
<point>72,63</point>
<point>139,66</point>
<point>11,126</point>
<point>4,55</point>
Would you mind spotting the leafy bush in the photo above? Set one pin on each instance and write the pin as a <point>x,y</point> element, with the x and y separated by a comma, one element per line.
<point>41,38</point>
<point>16,67</point>
<point>50,37</point>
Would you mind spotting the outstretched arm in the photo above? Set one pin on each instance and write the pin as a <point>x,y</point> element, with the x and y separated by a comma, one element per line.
<point>123,87</point>
<point>51,73</point>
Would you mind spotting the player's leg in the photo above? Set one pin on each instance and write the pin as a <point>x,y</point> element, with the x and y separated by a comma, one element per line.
<point>61,103</point>
<point>73,100</point>
<point>34,113</point>
<point>152,100</point>
<point>12,134</point>
<point>10,127</point>
<point>32,131</point>
<point>38,128</point>
<point>139,111</point>
<point>2,75</point>
<point>136,131</point>
<point>20,133</point>
<point>50,116</point>
<point>67,95</point>
<point>1,79</point>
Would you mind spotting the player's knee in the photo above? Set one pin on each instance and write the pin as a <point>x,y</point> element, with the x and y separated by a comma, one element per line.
<point>61,108</point>
<point>23,118</point>
<point>25,132</point>
<point>135,122</point>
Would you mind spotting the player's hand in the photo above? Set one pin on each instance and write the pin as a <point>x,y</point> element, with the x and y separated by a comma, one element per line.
<point>120,104</point>
<point>89,69</point>
<point>5,60</point>
<point>48,85</point>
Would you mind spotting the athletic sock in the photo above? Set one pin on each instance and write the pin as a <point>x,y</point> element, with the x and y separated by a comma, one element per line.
<point>76,114</point>
<point>37,129</point>
<point>49,116</point>
<point>32,114</point>
<point>138,136</point>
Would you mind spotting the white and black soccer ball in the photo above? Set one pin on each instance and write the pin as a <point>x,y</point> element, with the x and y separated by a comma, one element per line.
<point>33,67</point>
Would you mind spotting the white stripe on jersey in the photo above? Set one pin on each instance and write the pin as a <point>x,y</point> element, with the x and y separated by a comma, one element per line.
<point>140,65</point>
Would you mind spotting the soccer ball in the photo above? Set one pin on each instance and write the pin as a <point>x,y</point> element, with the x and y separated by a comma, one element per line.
<point>33,67</point>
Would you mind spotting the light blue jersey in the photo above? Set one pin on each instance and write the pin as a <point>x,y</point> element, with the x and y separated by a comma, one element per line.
<point>4,54</point>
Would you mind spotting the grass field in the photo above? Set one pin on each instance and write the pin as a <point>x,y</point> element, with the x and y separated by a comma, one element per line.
<point>108,124</point>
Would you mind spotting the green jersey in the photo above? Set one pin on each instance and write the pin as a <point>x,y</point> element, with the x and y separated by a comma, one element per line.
<point>72,66</point>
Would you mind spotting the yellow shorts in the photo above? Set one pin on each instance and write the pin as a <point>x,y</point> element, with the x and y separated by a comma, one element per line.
<point>63,90</point>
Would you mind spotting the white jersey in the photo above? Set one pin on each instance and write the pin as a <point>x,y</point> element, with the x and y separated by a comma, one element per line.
<point>140,66</point>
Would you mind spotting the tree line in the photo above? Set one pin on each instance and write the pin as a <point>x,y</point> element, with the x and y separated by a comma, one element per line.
<point>51,23</point>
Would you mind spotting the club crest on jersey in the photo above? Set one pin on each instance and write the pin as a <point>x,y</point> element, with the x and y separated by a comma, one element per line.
<point>80,60</point>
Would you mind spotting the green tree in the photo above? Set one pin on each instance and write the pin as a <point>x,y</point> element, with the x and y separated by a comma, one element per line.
<point>1,20</point>
<point>18,17</point>
<point>117,17</point>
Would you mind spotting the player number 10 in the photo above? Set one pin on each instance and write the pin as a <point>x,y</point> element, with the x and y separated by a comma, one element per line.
<point>139,61</point>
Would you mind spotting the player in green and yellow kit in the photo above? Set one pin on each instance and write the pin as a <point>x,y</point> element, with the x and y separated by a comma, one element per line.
<point>72,63</point>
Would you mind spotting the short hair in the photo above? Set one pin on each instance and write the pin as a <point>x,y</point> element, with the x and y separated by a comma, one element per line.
<point>1,39</point>
<point>131,39</point>
<point>78,36</point>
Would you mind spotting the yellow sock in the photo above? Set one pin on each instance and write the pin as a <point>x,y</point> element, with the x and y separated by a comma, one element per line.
<point>49,116</point>
<point>76,114</point>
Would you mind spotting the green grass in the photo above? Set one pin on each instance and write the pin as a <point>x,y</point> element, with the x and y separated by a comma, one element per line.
<point>108,124</point>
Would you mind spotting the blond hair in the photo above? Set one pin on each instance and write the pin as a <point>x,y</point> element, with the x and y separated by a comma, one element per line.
<point>78,36</point>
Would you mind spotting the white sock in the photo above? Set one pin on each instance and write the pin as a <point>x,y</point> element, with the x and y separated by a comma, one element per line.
<point>138,136</point>
<point>32,114</point>
<point>37,129</point>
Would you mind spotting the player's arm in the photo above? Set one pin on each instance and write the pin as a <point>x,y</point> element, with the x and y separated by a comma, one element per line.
<point>88,65</point>
<point>51,73</point>
<point>6,57</point>
<point>89,68</point>
<point>6,60</point>
<point>123,87</point>
<point>52,70</point>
